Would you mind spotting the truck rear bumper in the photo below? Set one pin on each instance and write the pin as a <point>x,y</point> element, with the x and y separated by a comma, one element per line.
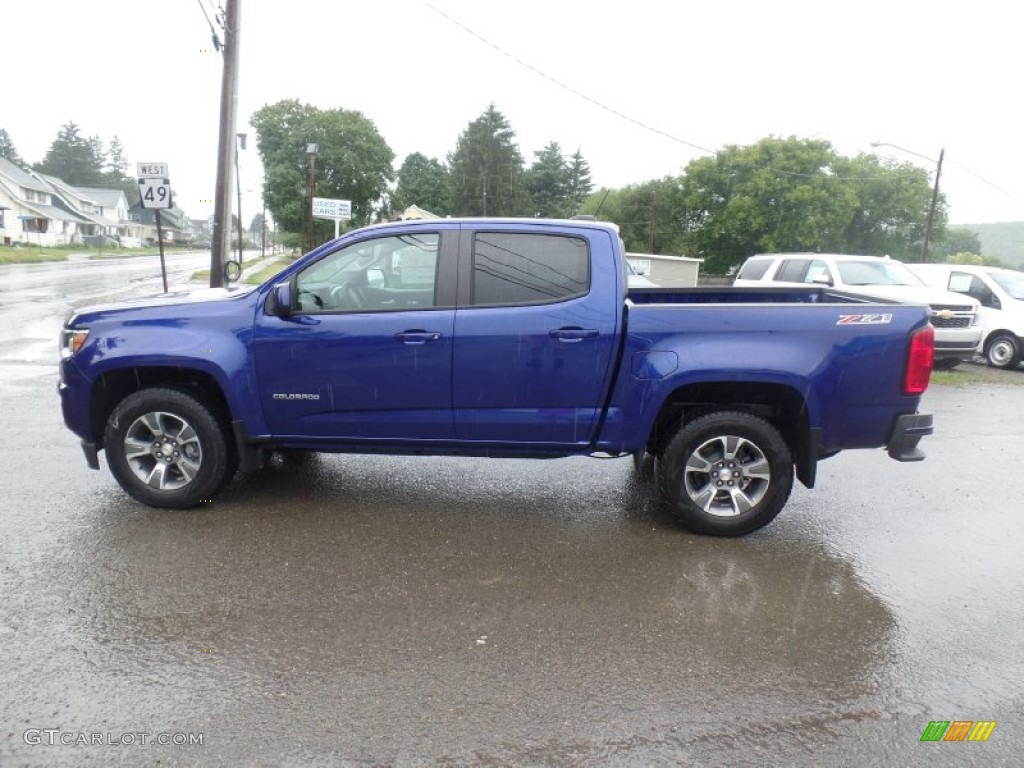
<point>906,433</point>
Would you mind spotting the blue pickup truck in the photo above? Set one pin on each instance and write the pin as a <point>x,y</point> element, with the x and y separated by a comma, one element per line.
<point>487,337</point>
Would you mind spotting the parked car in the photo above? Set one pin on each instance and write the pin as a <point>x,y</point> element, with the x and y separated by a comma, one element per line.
<point>1001,295</point>
<point>955,316</point>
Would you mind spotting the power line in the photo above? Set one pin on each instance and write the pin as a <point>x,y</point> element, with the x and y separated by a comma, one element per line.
<point>565,86</point>
<point>213,31</point>
<point>622,115</point>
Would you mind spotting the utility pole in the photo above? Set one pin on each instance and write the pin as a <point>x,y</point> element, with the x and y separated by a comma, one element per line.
<point>931,208</point>
<point>238,186</point>
<point>312,150</point>
<point>650,224</point>
<point>226,145</point>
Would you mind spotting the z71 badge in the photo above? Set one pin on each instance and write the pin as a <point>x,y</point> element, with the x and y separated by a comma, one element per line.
<point>864,319</point>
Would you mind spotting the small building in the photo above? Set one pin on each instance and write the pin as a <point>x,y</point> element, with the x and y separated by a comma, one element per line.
<point>666,271</point>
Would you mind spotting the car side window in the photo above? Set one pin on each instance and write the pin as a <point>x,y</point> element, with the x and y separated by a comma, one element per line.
<point>513,268</point>
<point>381,274</point>
<point>792,271</point>
<point>980,291</point>
<point>754,269</point>
<point>818,272</point>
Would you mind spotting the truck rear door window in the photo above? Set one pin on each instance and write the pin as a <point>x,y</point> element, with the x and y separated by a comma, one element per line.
<point>511,268</point>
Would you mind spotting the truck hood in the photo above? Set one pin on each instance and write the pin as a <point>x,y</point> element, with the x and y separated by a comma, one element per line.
<point>174,298</point>
<point>913,294</point>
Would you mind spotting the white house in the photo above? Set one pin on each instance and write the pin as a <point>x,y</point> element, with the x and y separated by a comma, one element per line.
<point>28,213</point>
<point>113,205</point>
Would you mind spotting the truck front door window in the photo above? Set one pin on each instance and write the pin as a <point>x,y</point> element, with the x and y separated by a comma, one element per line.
<point>382,274</point>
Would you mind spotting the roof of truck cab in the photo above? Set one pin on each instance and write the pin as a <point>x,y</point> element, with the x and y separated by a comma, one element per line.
<point>477,221</point>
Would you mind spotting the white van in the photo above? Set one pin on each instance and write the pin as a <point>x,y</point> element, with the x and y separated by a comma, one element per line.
<point>1001,294</point>
<point>955,316</point>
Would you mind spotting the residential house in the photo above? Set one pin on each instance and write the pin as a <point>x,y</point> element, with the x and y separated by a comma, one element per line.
<point>176,226</point>
<point>114,205</point>
<point>83,204</point>
<point>28,213</point>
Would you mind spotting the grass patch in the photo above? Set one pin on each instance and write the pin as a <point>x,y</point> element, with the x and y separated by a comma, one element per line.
<point>202,275</point>
<point>969,375</point>
<point>264,274</point>
<point>956,378</point>
<point>115,253</point>
<point>29,255</point>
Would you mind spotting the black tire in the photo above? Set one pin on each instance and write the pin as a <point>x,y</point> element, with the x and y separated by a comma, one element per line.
<point>739,478</point>
<point>174,430</point>
<point>1003,351</point>
<point>643,465</point>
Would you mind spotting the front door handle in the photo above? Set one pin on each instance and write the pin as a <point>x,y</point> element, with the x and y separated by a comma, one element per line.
<point>417,337</point>
<point>574,335</point>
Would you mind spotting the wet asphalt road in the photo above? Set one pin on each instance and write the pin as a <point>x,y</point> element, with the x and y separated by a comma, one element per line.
<point>437,611</point>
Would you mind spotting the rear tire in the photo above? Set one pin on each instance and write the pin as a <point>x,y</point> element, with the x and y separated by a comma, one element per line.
<point>726,473</point>
<point>1003,351</point>
<point>166,448</point>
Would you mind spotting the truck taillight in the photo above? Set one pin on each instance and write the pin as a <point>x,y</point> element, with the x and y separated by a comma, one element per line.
<point>920,358</point>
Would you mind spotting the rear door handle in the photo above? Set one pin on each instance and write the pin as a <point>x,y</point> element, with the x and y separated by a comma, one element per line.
<point>417,338</point>
<point>574,335</point>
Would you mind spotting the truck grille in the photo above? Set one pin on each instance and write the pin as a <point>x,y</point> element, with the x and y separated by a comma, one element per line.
<point>951,316</point>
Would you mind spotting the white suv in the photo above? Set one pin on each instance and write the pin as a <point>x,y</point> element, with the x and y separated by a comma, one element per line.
<point>955,316</point>
<point>1001,293</point>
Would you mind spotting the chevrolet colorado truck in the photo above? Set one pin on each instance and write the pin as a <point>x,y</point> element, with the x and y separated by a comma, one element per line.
<point>497,337</point>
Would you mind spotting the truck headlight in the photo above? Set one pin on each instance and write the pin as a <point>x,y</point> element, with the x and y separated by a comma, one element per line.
<point>72,340</point>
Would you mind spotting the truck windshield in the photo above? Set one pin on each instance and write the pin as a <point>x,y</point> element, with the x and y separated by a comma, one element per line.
<point>881,272</point>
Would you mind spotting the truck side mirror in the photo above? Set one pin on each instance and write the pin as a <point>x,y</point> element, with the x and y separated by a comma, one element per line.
<point>281,300</point>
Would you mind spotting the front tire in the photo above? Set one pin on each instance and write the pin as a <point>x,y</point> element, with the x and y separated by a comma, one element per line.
<point>1003,351</point>
<point>726,473</point>
<point>166,448</point>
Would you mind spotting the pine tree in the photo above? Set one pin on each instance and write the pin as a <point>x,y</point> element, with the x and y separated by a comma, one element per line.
<point>578,183</point>
<point>7,149</point>
<point>546,181</point>
<point>74,159</point>
<point>117,164</point>
<point>487,169</point>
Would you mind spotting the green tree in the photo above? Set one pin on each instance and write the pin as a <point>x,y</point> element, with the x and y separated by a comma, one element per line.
<point>7,149</point>
<point>487,169</point>
<point>800,195</point>
<point>74,159</point>
<point>957,241</point>
<point>647,214</point>
<point>116,171</point>
<point>891,209</point>
<point>354,162</point>
<point>425,182</point>
<point>578,185</point>
<point>546,182</point>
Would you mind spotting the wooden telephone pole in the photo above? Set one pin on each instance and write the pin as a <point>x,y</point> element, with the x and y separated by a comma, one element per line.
<point>225,146</point>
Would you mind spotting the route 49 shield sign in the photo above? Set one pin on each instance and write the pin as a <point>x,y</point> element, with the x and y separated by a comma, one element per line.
<point>155,192</point>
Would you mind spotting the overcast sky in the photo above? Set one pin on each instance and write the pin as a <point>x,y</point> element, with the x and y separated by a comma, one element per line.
<point>921,75</point>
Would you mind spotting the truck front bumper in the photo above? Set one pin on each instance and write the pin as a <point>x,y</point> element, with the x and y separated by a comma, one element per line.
<point>906,434</point>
